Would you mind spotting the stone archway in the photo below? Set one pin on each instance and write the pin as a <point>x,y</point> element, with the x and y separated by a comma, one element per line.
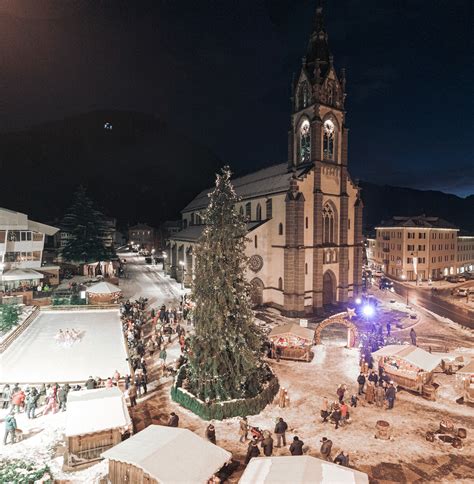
<point>256,291</point>
<point>329,288</point>
<point>341,318</point>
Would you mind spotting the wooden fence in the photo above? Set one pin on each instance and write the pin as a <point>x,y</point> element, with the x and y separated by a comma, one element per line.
<point>18,330</point>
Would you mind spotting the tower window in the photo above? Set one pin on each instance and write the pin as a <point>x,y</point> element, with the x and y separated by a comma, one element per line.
<point>248,210</point>
<point>305,142</point>
<point>255,242</point>
<point>280,229</point>
<point>306,268</point>
<point>280,283</point>
<point>259,212</point>
<point>329,235</point>
<point>329,134</point>
<point>306,222</point>
<point>303,95</point>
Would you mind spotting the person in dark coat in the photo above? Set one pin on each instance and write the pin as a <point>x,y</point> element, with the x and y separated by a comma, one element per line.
<point>413,337</point>
<point>211,433</point>
<point>173,420</point>
<point>390,395</point>
<point>252,451</point>
<point>91,383</point>
<point>62,396</point>
<point>326,448</point>
<point>31,403</point>
<point>342,459</point>
<point>280,430</point>
<point>10,427</point>
<point>361,382</point>
<point>296,447</point>
<point>267,444</point>
<point>336,416</point>
<point>6,396</point>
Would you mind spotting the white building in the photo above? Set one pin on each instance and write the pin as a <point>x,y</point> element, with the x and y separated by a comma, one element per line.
<point>21,249</point>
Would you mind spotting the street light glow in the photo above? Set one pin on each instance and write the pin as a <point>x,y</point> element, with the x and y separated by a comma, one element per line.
<point>181,263</point>
<point>368,311</point>
<point>358,300</point>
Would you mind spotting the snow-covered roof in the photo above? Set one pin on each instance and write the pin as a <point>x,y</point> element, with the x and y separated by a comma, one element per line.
<point>171,455</point>
<point>103,288</point>
<point>299,470</point>
<point>193,232</point>
<point>292,329</point>
<point>468,369</point>
<point>90,411</point>
<point>21,275</point>
<point>412,354</point>
<point>11,220</point>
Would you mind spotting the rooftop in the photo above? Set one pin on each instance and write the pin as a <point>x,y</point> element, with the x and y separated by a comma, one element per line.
<point>420,221</point>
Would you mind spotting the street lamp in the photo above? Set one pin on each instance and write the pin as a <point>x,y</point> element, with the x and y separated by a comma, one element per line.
<point>181,263</point>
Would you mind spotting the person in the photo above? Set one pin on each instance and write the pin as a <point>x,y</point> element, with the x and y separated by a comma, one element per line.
<point>379,395</point>
<point>326,448</point>
<point>278,353</point>
<point>31,402</point>
<point>370,395</point>
<point>252,451</point>
<point>132,395</point>
<point>18,399</point>
<point>109,383</point>
<point>373,377</point>
<point>10,427</point>
<point>50,404</point>
<point>211,433</point>
<point>413,337</point>
<point>62,396</point>
<point>91,383</point>
<point>341,389</point>
<point>6,396</point>
<point>296,447</point>
<point>344,413</point>
<point>243,429</point>
<point>361,382</point>
<point>342,459</point>
<point>336,416</point>
<point>354,401</point>
<point>390,395</point>
<point>389,329</point>
<point>280,431</point>
<point>173,420</point>
<point>267,443</point>
<point>163,357</point>
<point>325,409</point>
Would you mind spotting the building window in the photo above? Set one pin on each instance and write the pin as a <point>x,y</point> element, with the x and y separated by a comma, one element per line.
<point>329,235</point>
<point>348,224</point>
<point>259,212</point>
<point>303,95</point>
<point>269,208</point>
<point>248,210</point>
<point>192,219</point>
<point>255,243</point>
<point>306,222</point>
<point>280,283</point>
<point>304,142</point>
<point>329,134</point>
<point>280,229</point>
<point>306,268</point>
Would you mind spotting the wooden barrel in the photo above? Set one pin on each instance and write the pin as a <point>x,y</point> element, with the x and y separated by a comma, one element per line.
<point>382,430</point>
<point>462,433</point>
<point>429,392</point>
<point>457,443</point>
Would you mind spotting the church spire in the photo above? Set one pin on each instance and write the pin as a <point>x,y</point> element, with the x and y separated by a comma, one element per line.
<point>318,54</point>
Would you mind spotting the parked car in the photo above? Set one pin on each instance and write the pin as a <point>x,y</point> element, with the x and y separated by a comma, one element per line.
<point>379,274</point>
<point>452,279</point>
<point>462,292</point>
<point>385,283</point>
<point>461,279</point>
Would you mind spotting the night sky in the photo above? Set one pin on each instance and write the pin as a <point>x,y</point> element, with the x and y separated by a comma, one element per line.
<point>220,72</point>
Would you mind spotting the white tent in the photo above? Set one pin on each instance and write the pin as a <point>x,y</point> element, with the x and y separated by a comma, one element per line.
<point>292,329</point>
<point>412,354</point>
<point>103,288</point>
<point>171,455</point>
<point>21,275</point>
<point>90,411</point>
<point>299,470</point>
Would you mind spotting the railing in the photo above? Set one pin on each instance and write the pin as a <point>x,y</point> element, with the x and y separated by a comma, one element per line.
<point>18,330</point>
<point>70,307</point>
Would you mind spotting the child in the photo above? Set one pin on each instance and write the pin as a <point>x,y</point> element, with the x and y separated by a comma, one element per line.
<point>354,401</point>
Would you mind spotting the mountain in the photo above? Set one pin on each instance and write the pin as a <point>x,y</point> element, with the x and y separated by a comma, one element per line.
<point>382,202</point>
<point>135,166</point>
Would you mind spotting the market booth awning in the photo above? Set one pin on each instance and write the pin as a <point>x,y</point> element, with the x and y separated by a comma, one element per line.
<point>103,288</point>
<point>170,455</point>
<point>299,470</point>
<point>411,354</point>
<point>292,330</point>
<point>21,275</point>
<point>91,411</point>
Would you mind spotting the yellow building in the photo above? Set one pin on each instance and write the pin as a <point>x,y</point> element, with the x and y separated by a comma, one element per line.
<point>304,215</point>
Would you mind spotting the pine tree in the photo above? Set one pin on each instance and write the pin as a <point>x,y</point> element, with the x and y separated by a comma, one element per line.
<point>86,226</point>
<point>225,354</point>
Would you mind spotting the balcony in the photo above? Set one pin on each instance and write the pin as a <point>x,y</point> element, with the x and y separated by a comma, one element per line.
<point>385,237</point>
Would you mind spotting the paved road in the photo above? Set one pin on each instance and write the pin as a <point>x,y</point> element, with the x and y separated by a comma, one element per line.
<point>424,299</point>
<point>146,280</point>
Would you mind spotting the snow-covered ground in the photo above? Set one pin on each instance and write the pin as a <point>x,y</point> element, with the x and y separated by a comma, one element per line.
<point>36,357</point>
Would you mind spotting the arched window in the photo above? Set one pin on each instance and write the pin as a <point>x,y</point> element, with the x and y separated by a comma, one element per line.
<point>306,268</point>
<point>304,142</point>
<point>330,93</point>
<point>248,210</point>
<point>329,138</point>
<point>269,212</point>
<point>329,222</point>
<point>280,229</point>
<point>259,212</point>
<point>280,283</point>
<point>306,222</point>
<point>303,95</point>
<point>255,242</point>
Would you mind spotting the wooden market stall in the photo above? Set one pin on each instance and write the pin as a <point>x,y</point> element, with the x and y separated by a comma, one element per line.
<point>96,420</point>
<point>165,455</point>
<point>103,293</point>
<point>409,367</point>
<point>293,341</point>
<point>465,382</point>
<point>302,469</point>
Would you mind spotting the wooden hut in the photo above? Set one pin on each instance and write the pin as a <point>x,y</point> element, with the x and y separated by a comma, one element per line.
<point>465,382</point>
<point>96,420</point>
<point>165,455</point>
<point>409,367</point>
<point>293,341</point>
<point>103,293</point>
<point>302,469</point>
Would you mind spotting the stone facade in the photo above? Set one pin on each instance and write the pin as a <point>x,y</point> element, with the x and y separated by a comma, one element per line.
<point>305,215</point>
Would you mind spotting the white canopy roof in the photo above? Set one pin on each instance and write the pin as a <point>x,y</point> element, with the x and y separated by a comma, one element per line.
<point>468,369</point>
<point>90,411</point>
<point>293,329</point>
<point>103,288</point>
<point>412,354</point>
<point>299,470</point>
<point>171,455</point>
<point>21,275</point>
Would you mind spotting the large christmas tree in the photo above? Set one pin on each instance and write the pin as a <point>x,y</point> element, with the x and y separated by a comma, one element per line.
<point>225,356</point>
<point>86,226</point>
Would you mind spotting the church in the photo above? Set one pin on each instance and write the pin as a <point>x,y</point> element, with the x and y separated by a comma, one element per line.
<point>304,216</point>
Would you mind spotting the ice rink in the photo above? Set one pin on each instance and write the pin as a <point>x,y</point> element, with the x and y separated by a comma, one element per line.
<point>36,357</point>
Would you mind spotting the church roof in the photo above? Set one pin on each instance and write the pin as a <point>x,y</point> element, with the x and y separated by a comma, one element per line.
<point>318,46</point>
<point>194,232</point>
<point>268,181</point>
<point>420,221</point>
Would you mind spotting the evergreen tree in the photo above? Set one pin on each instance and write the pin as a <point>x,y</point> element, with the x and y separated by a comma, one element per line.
<point>9,316</point>
<point>225,354</point>
<point>86,226</point>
